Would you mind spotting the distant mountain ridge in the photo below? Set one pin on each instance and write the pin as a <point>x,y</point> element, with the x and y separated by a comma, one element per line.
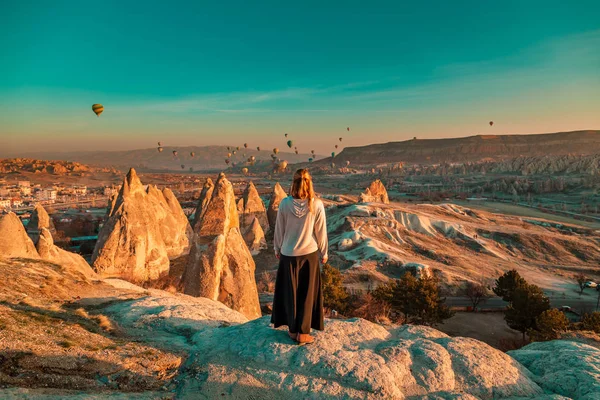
<point>206,157</point>
<point>472,148</point>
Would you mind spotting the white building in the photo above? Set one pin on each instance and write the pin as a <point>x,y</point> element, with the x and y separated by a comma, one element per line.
<point>24,184</point>
<point>46,194</point>
<point>4,204</point>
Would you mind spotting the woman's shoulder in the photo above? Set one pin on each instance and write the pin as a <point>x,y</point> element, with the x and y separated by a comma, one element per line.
<point>318,203</point>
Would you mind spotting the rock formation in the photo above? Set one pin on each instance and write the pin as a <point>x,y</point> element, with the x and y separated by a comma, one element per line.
<point>205,196</point>
<point>375,193</point>
<point>39,219</point>
<point>255,238</point>
<point>276,197</point>
<point>220,265</point>
<point>250,207</point>
<point>50,252</point>
<point>142,233</point>
<point>14,241</point>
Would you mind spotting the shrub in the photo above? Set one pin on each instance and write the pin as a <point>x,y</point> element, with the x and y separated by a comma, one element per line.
<point>335,295</point>
<point>549,326</point>
<point>591,322</point>
<point>368,307</point>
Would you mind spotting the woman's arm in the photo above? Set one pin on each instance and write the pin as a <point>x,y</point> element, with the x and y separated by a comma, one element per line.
<point>279,231</point>
<point>321,231</point>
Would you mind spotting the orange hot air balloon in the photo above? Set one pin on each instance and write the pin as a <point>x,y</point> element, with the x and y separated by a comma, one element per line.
<point>258,148</point>
<point>336,146</point>
<point>227,161</point>
<point>491,123</point>
<point>160,149</point>
<point>275,150</point>
<point>97,109</point>
<point>192,154</point>
<point>245,171</point>
<point>286,135</point>
<point>159,144</point>
<point>296,151</point>
<point>174,153</point>
<point>340,139</point>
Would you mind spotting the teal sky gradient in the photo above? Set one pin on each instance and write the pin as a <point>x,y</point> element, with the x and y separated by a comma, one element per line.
<point>199,72</point>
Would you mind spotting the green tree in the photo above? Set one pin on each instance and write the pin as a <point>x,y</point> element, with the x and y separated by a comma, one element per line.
<point>591,322</point>
<point>507,284</point>
<point>418,300</point>
<point>334,293</point>
<point>549,326</point>
<point>527,303</point>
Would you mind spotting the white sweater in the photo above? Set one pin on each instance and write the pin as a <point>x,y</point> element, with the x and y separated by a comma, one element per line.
<point>299,232</point>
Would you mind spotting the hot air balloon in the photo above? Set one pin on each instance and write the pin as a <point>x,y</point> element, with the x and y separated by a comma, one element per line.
<point>228,148</point>
<point>234,152</point>
<point>312,151</point>
<point>340,139</point>
<point>333,154</point>
<point>348,129</point>
<point>228,155</point>
<point>227,161</point>
<point>252,158</point>
<point>192,154</point>
<point>160,149</point>
<point>290,143</point>
<point>174,153</point>
<point>97,109</point>
<point>182,166</point>
<point>258,148</point>
<point>159,144</point>
<point>347,163</point>
<point>283,165</point>
<point>296,151</point>
<point>286,135</point>
<point>245,145</point>
<point>336,146</point>
<point>275,150</point>
<point>310,159</point>
<point>491,123</point>
<point>245,171</point>
<point>295,148</point>
<point>237,148</point>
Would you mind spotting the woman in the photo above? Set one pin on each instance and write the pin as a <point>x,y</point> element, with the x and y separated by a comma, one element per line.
<point>300,242</point>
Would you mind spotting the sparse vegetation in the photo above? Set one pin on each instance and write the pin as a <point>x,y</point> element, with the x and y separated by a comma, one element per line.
<point>371,308</point>
<point>476,292</point>
<point>266,282</point>
<point>591,322</point>
<point>581,279</point>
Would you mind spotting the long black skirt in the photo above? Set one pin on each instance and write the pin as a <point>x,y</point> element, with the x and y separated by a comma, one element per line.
<point>298,301</point>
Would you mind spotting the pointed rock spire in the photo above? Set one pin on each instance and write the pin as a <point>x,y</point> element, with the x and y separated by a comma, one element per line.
<point>375,193</point>
<point>220,265</point>
<point>50,252</point>
<point>251,206</point>
<point>205,195</point>
<point>276,197</point>
<point>39,219</point>
<point>14,241</point>
<point>255,238</point>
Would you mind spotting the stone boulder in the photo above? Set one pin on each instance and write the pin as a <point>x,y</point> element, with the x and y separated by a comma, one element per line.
<point>205,196</point>
<point>351,359</point>
<point>39,219</point>
<point>14,241</point>
<point>220,265</point>
<point>142,233</point>
<point>48,251</point>
<point>255,238</point>
<point>250,207</point>
<point>375,193</point>
<point>276,197</point>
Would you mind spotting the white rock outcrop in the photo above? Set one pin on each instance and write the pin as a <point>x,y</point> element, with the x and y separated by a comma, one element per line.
<point>276,197</point>
<point>220,265</point>
<point>255,238</point>
<point>251,207</point>
<point>14,241</point>
<point>375,193</point>
<point>48,251</point>
<point>143,232</point>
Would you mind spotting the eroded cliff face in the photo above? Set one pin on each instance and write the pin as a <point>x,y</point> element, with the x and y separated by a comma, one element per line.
<point>143,232</point>
<point>375,193</point>
<point>251,207</point>
<point>220,265</point>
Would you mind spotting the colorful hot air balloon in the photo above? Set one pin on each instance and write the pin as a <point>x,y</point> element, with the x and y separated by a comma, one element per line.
<point>228,155</point>
<point>491,123</point>
<point>296,151</point>
<point>310,159</point>
<point>275,150</point>
<point>333,154</point>
<point>245,171</point>
<point>237,148</point>
<point>245,145</point>
<point>159,144</point>
<point>174,153</point>
<point>312,151</point>
<point>227,161</point>
<point>252,158</point>
<point>97,109</point>
<point>160,149</point>
<point>228,148</point>
<point>283,165</point>
<point>348,129</point>
<point>290,143</point>
<point>286,135</point>
<point>192,154</point>
<point>258,148</point>
<point>336,146</point>
<point>234,152</point>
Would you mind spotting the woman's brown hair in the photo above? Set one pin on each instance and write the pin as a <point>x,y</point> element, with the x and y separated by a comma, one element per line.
<point>302,187</point>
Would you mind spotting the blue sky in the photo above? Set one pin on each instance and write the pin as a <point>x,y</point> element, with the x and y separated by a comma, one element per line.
<point>194,73</point>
